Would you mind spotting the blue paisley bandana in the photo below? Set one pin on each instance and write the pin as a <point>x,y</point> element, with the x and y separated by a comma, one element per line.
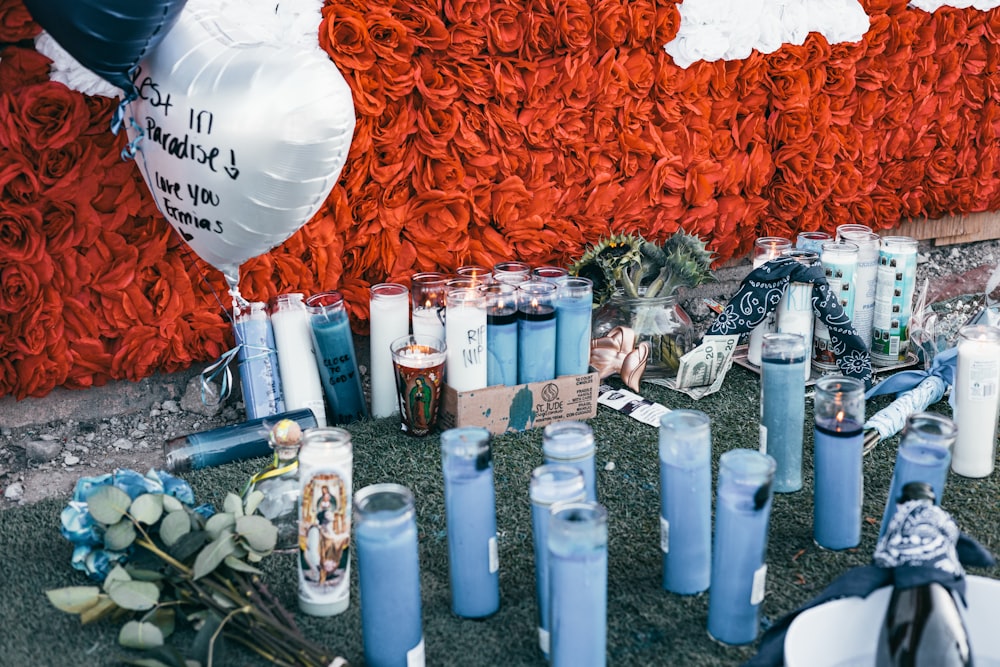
<point>760,293</point>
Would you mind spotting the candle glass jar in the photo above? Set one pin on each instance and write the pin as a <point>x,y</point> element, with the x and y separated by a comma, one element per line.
<point>894,284</point>
<point>419,363</point>
<point>783,406</point>
<point>338,366</point>
<point>574,313</point>
<point>428,296</point>
<point>795,311</point>
<point>839,260</point>
<point>465,338</point>
<point>548,273</point>
<point>501,333</point>
<point>839,408</point>
<point>258,361</point>
<point>536,331</point>
<point>812,241</point>
<point>478,274</point>
<point>977,400</point>
<point>512,273</point>
<point>572,443</point>
<point>302,386</point>
<point>865,277</point>
<point>765,249</point>
<point>850,228</point>
<point>389,313</point>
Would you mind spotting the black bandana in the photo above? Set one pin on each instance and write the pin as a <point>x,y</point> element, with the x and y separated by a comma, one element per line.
<point>760,293</point>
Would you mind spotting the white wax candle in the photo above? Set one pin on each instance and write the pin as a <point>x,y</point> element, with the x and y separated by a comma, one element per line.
<point>390,319</point>
<point>429,321</point>
<point>765,249</point>
<point>977,379</point>
<point>795,315</point>
<point>296,359</point>
<point>465,332</point>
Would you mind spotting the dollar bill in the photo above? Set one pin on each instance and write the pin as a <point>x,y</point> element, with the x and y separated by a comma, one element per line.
<point>703,369</point>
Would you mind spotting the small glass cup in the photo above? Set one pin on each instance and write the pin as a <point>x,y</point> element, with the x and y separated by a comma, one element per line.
<point>428,296</point>
<point>548,273</point>
<point>511,273</point>
<point>478,274</point>
<point>419,362</point>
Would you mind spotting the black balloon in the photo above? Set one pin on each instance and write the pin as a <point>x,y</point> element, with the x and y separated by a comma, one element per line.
<point>108,37</point>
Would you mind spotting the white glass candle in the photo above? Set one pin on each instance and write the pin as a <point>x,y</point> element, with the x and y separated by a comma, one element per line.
<point>765,249</point>
<point>390,319</point>
<point>465,336</point>
<point>977,400</point>
<point>296,358</point>
<point>839,259</point>
<point>427,293</point>
<point>865,277</point>
<point>795,312</point>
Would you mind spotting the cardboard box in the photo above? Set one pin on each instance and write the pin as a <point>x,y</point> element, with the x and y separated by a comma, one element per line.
<point>525,406</point>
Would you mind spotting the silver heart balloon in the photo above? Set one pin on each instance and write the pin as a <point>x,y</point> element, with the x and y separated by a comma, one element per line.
<point>239,139</point>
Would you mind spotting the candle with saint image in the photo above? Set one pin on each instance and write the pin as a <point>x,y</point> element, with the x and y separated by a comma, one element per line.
<point>428,294</point>
<point>390,319</point>
<point>536,332</point>
<point>418,361</point>
<point>501,333</point>
<point>977,400</point>
<point>839,409</point>
<point>765,249</point>
<point>465,337</point>
<point>303,387</point>
<point>574,313</point>
<point>795,311</point>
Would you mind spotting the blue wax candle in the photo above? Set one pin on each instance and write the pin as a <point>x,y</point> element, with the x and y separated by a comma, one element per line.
<point>742,515</point>
<point>258,361</point>
<point>783,407</point>
<point>686,501</point>
<point>470,514</point>
<point>331,332</point>
<point>550,484</point>
<point>385,537</point>
<point>574,312</point>
<point>838,483</point>
<point>578,571</point>
<point>501,349</point>
<point>924,455</point>
<point>536,344</point>
<point>572,443</point>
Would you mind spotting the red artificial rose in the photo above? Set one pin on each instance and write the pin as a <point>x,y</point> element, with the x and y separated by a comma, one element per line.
<point>367,88</point>
<point>575,24</point>
<point>90,364</point>
<point>787,199</point>
<point>425,27</point>
<point>50,115</point>
<point>468,40</point>
<point>343,33</point>
<point>18,181</point>
<point>465,10</point>
<point>38,375</point>
<point>611,25</point>
<point>642,21</point>
<point>16,23</point>
<point>20,240</point>
<point>19,288</point>
<point>138,353</point>
<point>60,168</point>
<point>473,78</point>
<point>540,32</point>
<point>397,78</point>
<point>505,29</point>
<point>21,67</point>
<point>435,90</point>
<point>388,37</point>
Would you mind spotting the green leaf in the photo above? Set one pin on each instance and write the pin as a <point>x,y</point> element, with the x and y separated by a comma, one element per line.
<point>188,545</point>
<point>117,573</point>
<point>164,618</point>
<point>239,566</point>
<point>104,606</point>
<point>171,504</point>
<point>218,523</point>
<point>160,656</point>
<point>74,599</point>
<point>135,595</point>
<point>174,526</point>
<point>140,574</point>
<point>120,536</point>
<point>136,634</point>
<point>233,504</point>
<point>108,504</point>
<point>253,501</point>
<point>147,508</point>
<point>209,558</point>
<point>203,647</point>
<point>259,532</point>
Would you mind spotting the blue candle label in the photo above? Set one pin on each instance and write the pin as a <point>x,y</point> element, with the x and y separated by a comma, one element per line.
<point>757,589</point>
<point>494,555</point>
<point>416,656</point>
<point>664,535</point>
<point>763,439</point>
<point>324,537</point>
<point>543,640</point>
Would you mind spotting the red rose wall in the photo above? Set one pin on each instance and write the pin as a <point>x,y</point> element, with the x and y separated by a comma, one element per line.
<point>490,130</point>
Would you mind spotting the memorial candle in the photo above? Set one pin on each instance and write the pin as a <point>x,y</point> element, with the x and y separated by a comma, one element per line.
<point>389,309</point>
<point>977,400</point>
<point>572,443</point>
<point>894,285</point>
<point>536,332</point>
<point>512,273</point>
<point>811,241</point>
<point>765,249</point>
<point>865,277</point>
<point>839,407</point>
<point>465,337</point>
<point>839,260</point>
<point>480,275</point>
<point>297,363</point>
<point>574,314</point>
<point>685,444</point>
<point>550,274</point>
<point>783,407</point>
<point>795,311</point>
<point>471,518</point>
<point>258,361</point>
<point>334,345</point>
<point>501,333</point>
<point>428,294</point>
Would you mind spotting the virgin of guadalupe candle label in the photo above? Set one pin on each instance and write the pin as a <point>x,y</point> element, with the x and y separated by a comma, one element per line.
<point>325,537</point>
<point>419,389</point>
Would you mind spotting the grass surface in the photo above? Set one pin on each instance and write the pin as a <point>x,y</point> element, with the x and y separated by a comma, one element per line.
<point>646,625</point>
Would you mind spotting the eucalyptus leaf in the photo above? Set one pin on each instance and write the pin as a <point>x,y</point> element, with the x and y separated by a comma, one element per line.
<point>188,545</point>
<point>165,618</point>
<point>239,566</point>
<point>119,536</point>
<point>174,526</point>
<point>135,595</point>
<point>254,557</point>
<point>117,574</point>
<point>171,504</point>
<point>104,606</point>
<point>218,523</point>
<point>74,599</point>
<point>214,553</point>
<point>233,504</point>
<point>136,634</point>
<point>108,504</point>
<point>146,662</point>
<point>204,648</point>
<point>253,501</point>
<point>259,532</point>
<point>161,656</point>
<point>147,508</point>
<point>140,574</point>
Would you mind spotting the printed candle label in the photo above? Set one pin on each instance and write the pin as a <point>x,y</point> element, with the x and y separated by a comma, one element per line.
<point>416,656</point>
<point>983,378</point>
<point>840,278</point>
<point>494,555</point>
<point>759,579</point>
<point>893,305</point>
<point>664,535</point>
<point>419,389</point>
<point>324,537</point>
<point>763,439</point>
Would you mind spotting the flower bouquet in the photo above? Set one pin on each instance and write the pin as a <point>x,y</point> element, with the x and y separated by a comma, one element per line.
<point>158,557</point>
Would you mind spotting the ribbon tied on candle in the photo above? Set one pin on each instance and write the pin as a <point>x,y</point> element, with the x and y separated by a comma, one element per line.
<point>618,353</point>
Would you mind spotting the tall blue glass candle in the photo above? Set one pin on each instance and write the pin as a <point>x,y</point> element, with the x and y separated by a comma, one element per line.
<point>470,512</point>
<point>742,514</point>
<point>924,455</point>
<point>550,484</point>
<point>839,407</point>
<point>536,332</point>
<point>572,443</point>
<point>578,571</point>
<point>334,346</point>
<point>501,333</point>
<point>686,501</point>
<point>385,537</point>
<point>574,313</point>
<point>258,361</point>
<point>783,406</point>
